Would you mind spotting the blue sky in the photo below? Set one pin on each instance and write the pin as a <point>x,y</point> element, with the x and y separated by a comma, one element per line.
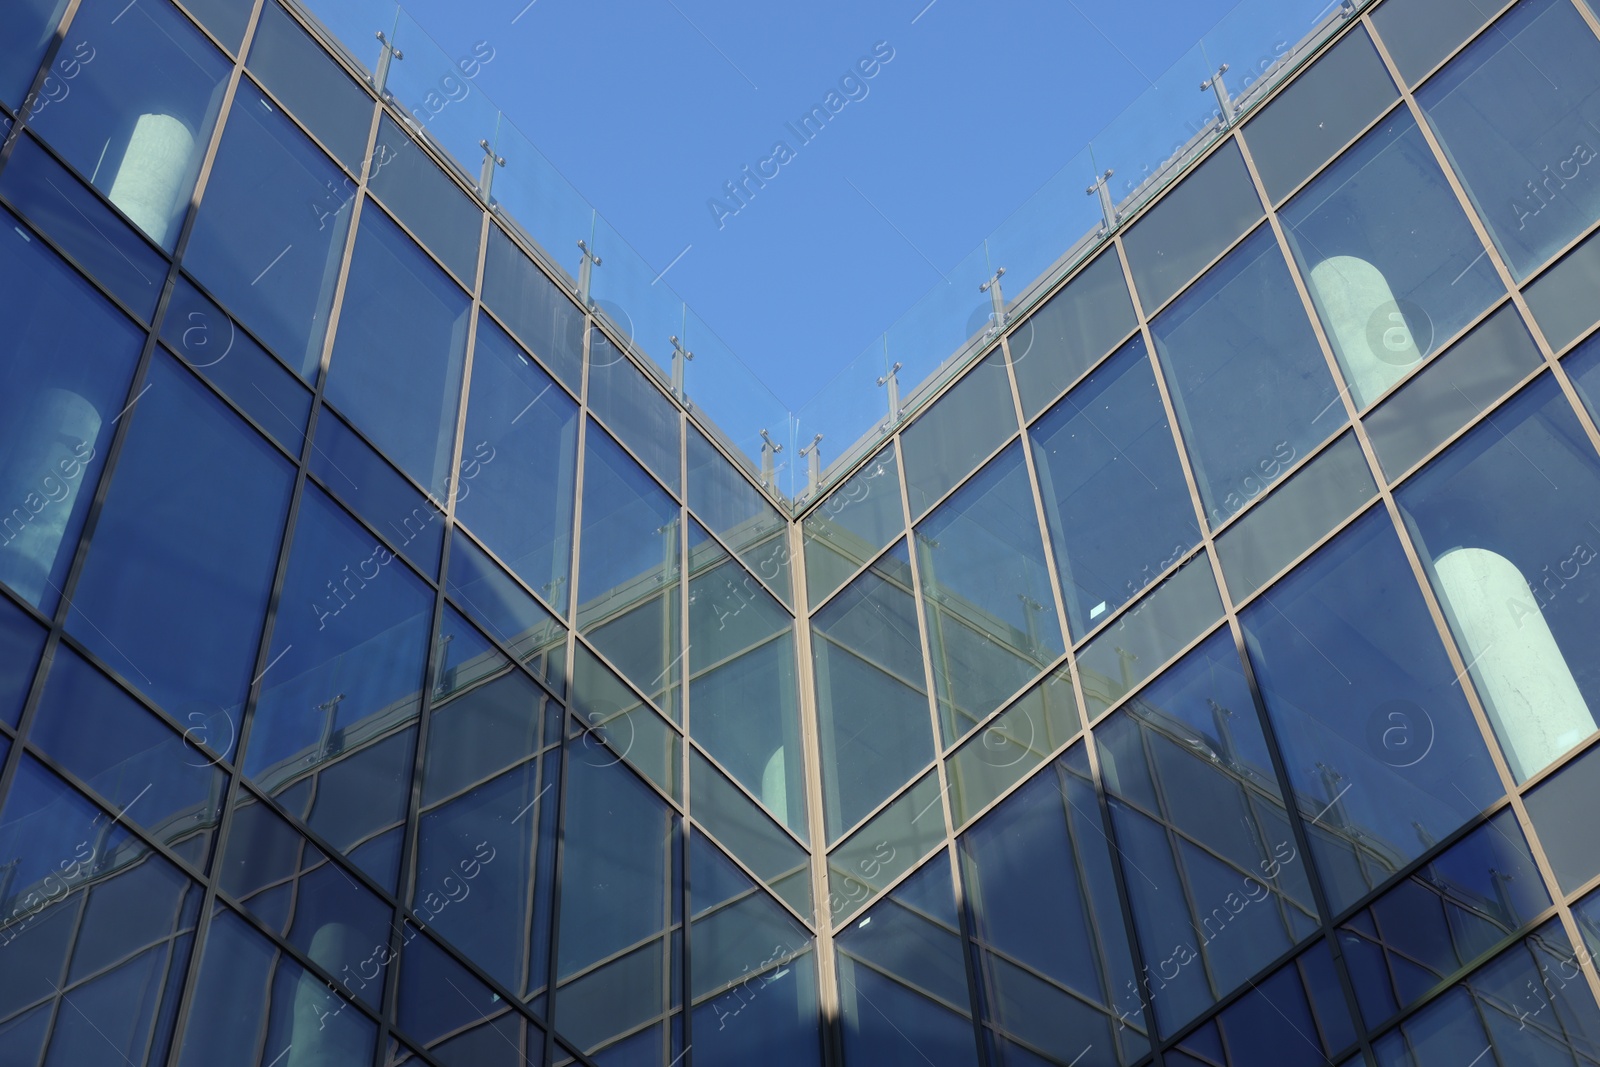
<point>649,106</point>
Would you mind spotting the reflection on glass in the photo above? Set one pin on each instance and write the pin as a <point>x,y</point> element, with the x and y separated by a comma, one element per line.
<point>1563,298</point>
<point>1114,493</point>
<point>737,512</point>
<point>1561,809</point>
<point>1419,33</point>
<point>1387,298</point>
<point>430,204</point>
<point>310,84</point>
<point>360,477</point>
<point>1249,383</point>
<point>1054,953</point>
<point>1209,857</point>
<point>613,724</point>
<point>852,523</point>
<point>1065,337</point>
<point>872,697</point>
<point>497,603</point>
<point>1381,748</point>
<point>147,88</point>
<point>454,1015</point>
<point>534,308</point>
<point>21,641</point>
<point>270,234</point>
<point>636,411</point>
<point>32,24</point>
<point>886,846</point>
<point>742,828</point>
<point>1505,520</point>
<point>952,437</point>
<point>991,615</point>
<point>1516,113</point>
<point>1297,1014</point>
<point>1012,745</point>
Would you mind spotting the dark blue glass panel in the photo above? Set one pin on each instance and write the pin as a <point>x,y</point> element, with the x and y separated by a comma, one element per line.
<point>311,85</point>
<point>1381,747</point>
<point>157,777</point>
<point>65,361</point>
<point>270,234</point>
<point>534,308</point>
<point>1297,1014</point>
<point>430,204</point>
<point>226,19</point>
<point>398,354</point>
<point>771,1018</point>
<point>1561,810</point>
<point>957,432</point>
<point>1070,333</point>
<point>1507,522</point>
<point>174,589</point>
<point>456,1017</point>
<point>523,431</point>
<point>356,474</point>
<point>83,227</point>
<point>136,119</point>
<point>21,641</point>
<point>496,602</point>
<point>1114,493</point>
<point>32,24</point>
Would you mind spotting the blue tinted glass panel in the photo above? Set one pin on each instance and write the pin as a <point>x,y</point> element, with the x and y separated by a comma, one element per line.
<point>148,89</point>
<point>952,437</point>
<point>1381,747</point>
<point>361,477</point>
<point>1563,299</point>
<point>174,589</point>
<point>523,431</point>
<point>21,641</point>
<point>1297,1014</point>
<point>1114,493</point>
<point>430,204</point>
<point>33,23</point>
<point>269,237</point>
<point>636,411</point>
<point>740,514</point>
<point>1066,336</point>
<point>396,369</point>
<point>1560,809</point>
<point>67,360</point>
<point>226,19</point>
<point>855,521</point>
<point>311,85</point>
<point>1249,383</point>
<point>534,308</point>
<point>494,599</point>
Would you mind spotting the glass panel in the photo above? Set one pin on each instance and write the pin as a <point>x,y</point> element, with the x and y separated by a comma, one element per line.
<point>1322,494</point>
<point>750,835</point>
<point>1071,332</point>
<point>952,437</point>
<point>1207,850</point>
<point>872,702</point>
<point>213,344</point>
<point>21,641</point>
<point>992,624</point>
<point>1381,748</point>
<point>340,689</point>
<point>311,85</point>
<point>226,19</point>
<point>148,89</point>
<point>1047,926</point>
<point>32,24</point>
<point>1464,381</point>
<point>1115,496</point>
<point>614,724</point>
<point>902,981</point>
<point>1510,577</point>
<point>270,234</point>
<point>1419,33</point>
<point>1317,115</point>
<point>361,477</point>
<point>67,360</point>
<point>534,308</point>
<point>740,514</point>
<point>1560,809</point>
<point>433,207</point>
<point>1564,301</point>
<point>628,587</point>
<point>396,367</point>
<point>855,521</point>
<point>1464,903</point>
<point>1012,745</point>
<point>1298,1006</point>
<point>1520,131</point>
<point>1170,616</point>
<point>173,591</point>
<point>1387,299</point>
<point>79,222</point>
<point>1191,225</point>
<point>1249,383</point>
<point>636,411</point>
<point>504,608</point>
<point>887,846</point>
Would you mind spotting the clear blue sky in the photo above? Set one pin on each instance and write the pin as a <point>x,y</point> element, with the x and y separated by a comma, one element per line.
<point>649,106</point>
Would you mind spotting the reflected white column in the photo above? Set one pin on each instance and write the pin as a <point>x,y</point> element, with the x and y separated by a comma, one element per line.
<point>50,448</point>
<point>317,1038</point>
<point>1365,325</point>
<point>1532,698</point>
<point>152,173</point>
<point>775,785</point>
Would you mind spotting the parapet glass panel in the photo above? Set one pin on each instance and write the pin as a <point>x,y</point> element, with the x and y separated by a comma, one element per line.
<point>1380,745</point>
<point>853,523</point>
<point>737,512</point>
<point>1012,745</point>
<point>177,581</point>
<point>21,641</point>
<point>1511,574</point>
<point>1565,300</point>
<point>1516,113</point>
<point>1249,382</point>
<point>33,24</point>
<point>950,439</point>
<point>1115,497</point>
<point>991,614</point>
<point>1388,299</point>
<point>522,430</point>
<point>432,206</point>
<point>534,308</point>
<point>1055,955</point>
<point>148,88</point>
<point>872,699</point>
<point>1319,113</point>
<point>1420,33</point>
<point>66,358</point>
<point>311,85</point>
<point>1191,225</point>
<point>638,413</point>
<point>1065,337</point>
<point>396,364</point>
<point>270,234</point>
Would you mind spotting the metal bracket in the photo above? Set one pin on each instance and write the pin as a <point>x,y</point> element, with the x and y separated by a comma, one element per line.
<point>590,260</point>
<point>380,78</point>
<point>680,356</point>
<point>769,450</point>
<point>894,393</point>
<point>992,287</point>
<point>1224,101</point>
<point>1112,216</point>
<point>813,454</point>
<point>486,173</point>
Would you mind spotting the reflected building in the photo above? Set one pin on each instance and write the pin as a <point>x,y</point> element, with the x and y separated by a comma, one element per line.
<point>410,658</point>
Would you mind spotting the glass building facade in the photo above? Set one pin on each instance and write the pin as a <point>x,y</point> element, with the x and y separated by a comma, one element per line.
<point>1194,675</point>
